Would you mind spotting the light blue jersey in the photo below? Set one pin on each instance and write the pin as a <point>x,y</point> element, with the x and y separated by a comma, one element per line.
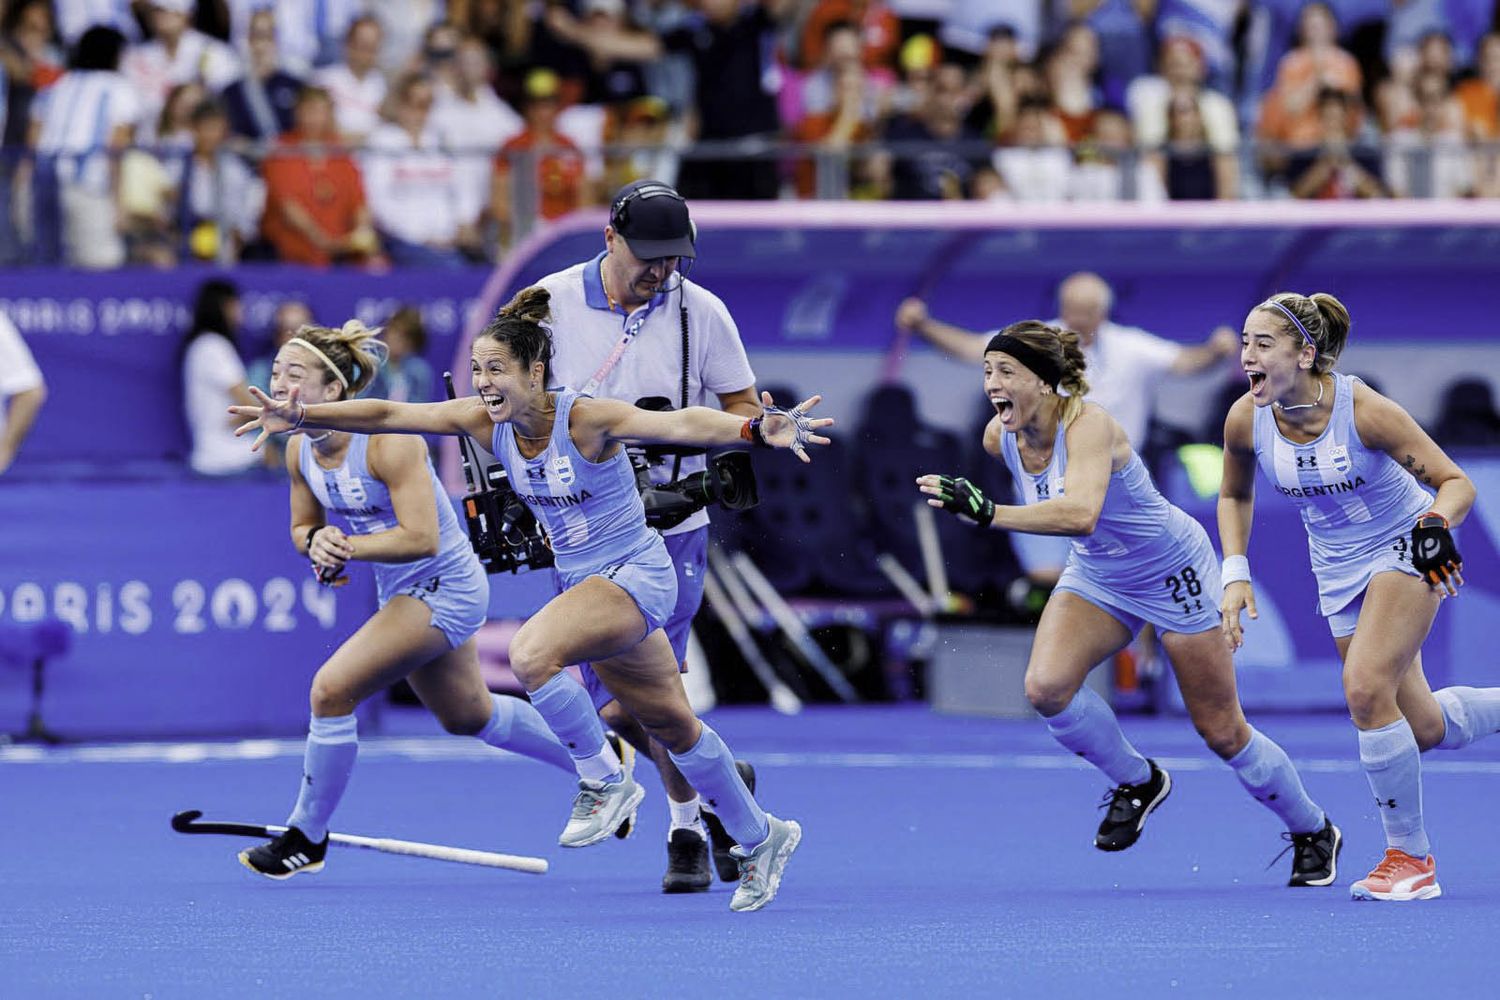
<point>593,515</point>
<point>1358,505</point>
<point>1146,561</point>
<point>452,583</point>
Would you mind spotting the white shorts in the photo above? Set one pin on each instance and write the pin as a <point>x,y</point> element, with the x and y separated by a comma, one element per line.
<point>1392,556</point>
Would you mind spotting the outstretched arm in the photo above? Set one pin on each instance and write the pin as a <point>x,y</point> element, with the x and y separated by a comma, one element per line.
<point>965,345</point>
<point>465,415</point>
<point>596,422</point>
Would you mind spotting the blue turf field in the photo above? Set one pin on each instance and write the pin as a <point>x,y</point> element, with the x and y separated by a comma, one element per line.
<point>941,857</point>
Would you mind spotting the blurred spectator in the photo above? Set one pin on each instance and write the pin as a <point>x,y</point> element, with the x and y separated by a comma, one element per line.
<point>1190,167</point>
<point>1210,25</point>
<point>1480,95</point>
<point>937,172</point>
<point>75,191</point>
<point>74,17</point>
<point>1152,100</point>
<point>309,33</point>
<point>645,123</point>
<point>1467,418</point>
<point>406,377</point>
<point>471,120</point>
<point>315,200</point>
<point>823,88</point>
<point>22,392</point>
<point>1432,159</point>
<point>853,118</point>
<point>28,62</point>
<point>218,196</point>
<point>878,27</point>
<point>356,85</point>
<point>1335,169</point>
<point>213,378</point>
<point>1000,78</point>
<point>1290,114</point>
<point>423,212</point>
<point>177,54</point>
<point>735,92</point>
<point>1035,164</point>
<point>260,103</point>
<point>172,132</point>
<point>1069,69</point>
<point>1108,167</point>
<point>1435,55</point>
<point>557,162</point>
<point>968,27</point>
<point>1123,28</point>
<point>290,316</point>
<point>405,23</point>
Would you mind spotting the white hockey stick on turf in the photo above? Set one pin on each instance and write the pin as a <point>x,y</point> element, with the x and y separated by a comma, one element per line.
<point>187,822</point>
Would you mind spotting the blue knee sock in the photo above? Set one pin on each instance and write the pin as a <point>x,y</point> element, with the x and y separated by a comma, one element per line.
<point>1470,714</point>
<point>1394,766</point>
<point>569,713</point>
<point>332,745</point>
<point>517,726</point>
<point>1088,727</point>
<point>709,767</point>
<point>1267,773</point>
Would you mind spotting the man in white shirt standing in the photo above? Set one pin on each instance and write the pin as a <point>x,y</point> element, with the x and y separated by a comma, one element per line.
<point>22,392</point>
<point>177,54</point>
<point>628,325</point>
<point>1124,365</point>
<point>357,85</point>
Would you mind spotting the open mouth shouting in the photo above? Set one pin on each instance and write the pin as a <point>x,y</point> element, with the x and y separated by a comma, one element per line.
<point>493,401</point>
<point>1257,382</point>
<point>1003,406</point>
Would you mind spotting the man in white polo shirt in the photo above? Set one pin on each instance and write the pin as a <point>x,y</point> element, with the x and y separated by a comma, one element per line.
<point>628,325</point>
<point>22,392</point>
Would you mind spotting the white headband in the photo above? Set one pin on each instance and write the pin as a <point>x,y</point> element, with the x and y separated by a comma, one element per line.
<point>321,357</point>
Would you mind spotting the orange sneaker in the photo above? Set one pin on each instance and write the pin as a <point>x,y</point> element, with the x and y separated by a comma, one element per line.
<point>1399,877</point>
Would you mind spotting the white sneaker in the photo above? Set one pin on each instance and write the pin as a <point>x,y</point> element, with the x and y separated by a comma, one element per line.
<point>760,869</point>
<point>600,809</point>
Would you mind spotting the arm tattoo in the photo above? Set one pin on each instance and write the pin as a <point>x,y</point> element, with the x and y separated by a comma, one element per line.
<point>1419,471</point>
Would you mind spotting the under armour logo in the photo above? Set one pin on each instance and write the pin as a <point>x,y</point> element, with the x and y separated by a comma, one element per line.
<point>307,779</point>
<point>1307,461</point>
<point>1043,490</point>
<point>1387,803</point>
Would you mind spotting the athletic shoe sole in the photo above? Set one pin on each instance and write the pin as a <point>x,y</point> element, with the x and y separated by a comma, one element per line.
<point>244,858</point>
<point>1360,893</point>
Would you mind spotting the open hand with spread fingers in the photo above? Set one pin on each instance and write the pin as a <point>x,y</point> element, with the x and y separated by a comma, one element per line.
<point>793,429</point>
<point>272,416</point>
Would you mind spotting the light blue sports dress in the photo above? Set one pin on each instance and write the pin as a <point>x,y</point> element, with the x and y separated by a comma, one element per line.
<point>1357,505</point>
<point>1146,561</point>
<point>594,518</point>
<point>452,583</point>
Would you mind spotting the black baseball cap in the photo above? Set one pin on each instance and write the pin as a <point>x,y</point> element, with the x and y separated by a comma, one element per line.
<point>653,220</point>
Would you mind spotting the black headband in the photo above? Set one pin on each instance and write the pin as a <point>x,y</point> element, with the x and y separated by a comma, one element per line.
<point>1045,368</point>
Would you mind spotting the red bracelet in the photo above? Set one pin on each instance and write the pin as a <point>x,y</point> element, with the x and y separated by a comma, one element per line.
<point>1433,513</point>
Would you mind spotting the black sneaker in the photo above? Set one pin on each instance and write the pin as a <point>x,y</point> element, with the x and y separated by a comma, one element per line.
<point>1315,856</point>
<point>687,863</point>
<point>289,854</point>
<point>725,863</point>
<point>1128,807</point>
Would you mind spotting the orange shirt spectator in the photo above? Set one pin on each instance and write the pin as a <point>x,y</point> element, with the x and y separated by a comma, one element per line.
<point>879,28</point>
<point>559,170</point>
<point>1289,113</point>
<point>1480,96</point>
<point>315,199</point>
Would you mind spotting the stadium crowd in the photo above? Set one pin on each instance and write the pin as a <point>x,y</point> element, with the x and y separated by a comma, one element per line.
<point>419,132</point>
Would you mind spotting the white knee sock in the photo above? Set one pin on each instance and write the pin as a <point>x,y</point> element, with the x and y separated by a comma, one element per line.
<point>1267,773</point>
<point>1088,727</point>
<point>332,746</point>
<point>1469,713</point>
<point>1394,767</point>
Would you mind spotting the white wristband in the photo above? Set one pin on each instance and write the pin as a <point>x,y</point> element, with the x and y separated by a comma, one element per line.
<point>1236,570</point>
